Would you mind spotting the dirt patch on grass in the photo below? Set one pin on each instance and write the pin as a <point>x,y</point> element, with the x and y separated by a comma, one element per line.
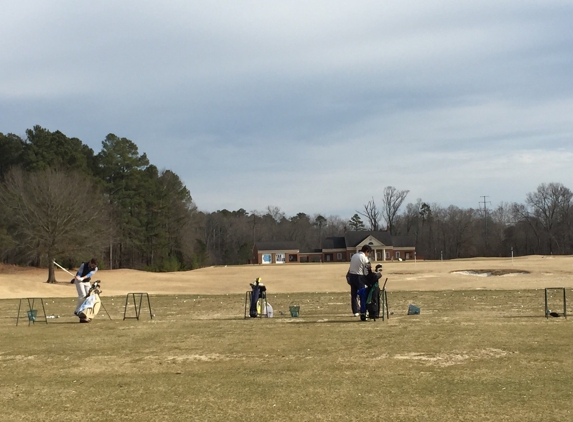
<point>491,272</point>
<point>196,358</point>
<point>453,358</point>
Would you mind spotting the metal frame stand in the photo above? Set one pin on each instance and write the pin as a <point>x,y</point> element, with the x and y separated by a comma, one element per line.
<point>384,313</point>
<point>137,308</point>
<point>31,300</point>
<point>262,299</point>
<point>383,302</point>
<point>247,301</point>
<point>108,315</point>
<point>547,310</point>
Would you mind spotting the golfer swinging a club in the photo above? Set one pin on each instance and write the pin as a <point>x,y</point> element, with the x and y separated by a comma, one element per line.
<point>82,280</point>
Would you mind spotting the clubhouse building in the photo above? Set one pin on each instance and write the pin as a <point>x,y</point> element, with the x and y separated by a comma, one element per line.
<point>385,247</point>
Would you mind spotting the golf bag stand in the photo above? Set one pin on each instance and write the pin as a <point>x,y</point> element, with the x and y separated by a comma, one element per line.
<point>374,299</point>
<point>373,302</point>
<point>92,302</point>
<point>383,302</point>
<point>256,300</point>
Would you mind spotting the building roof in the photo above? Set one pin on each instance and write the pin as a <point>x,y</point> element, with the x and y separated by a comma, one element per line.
<point>334,243</point>
<point>351,239</point>
<point>354,238</point>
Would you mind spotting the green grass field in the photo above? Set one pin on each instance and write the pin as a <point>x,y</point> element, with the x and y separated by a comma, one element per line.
<point>469,356</point>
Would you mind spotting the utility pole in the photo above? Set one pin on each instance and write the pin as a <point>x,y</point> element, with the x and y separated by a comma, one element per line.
<point>485,202</point>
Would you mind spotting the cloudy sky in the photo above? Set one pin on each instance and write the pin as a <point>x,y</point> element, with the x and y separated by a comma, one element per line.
<point>310,106</point>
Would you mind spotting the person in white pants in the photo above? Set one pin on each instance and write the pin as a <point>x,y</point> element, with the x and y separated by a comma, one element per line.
<point>82,280</point>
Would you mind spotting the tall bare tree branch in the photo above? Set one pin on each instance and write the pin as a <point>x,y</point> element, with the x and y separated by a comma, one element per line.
<point>372,215</point>
<point>391,202</point>
<point>55,214</point>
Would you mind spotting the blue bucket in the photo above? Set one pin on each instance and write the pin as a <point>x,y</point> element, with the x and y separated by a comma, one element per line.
<point>32,313</point>
<point>413,310</point>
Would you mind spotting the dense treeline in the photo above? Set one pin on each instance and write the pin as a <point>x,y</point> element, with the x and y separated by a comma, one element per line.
<point>61,200</point>
<point>541,225</point>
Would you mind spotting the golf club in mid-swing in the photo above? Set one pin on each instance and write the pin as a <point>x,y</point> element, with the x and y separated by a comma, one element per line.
<point>73,275</point>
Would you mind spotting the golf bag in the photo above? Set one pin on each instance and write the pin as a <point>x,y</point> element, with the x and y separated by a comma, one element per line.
<point>259,291</point>
<point>373,302</point>
<point>372,293</point>
<point>90,307</point>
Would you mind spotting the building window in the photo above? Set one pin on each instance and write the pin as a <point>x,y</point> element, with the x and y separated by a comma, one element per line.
<point>267,258</point>
<point>339,256</point>
<point>387,255</point>
<point>280,258</point>
<point>397,254</point>
<point>291,258</point>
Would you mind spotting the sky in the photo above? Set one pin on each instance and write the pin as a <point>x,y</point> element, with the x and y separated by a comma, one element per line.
<point>309,106</point>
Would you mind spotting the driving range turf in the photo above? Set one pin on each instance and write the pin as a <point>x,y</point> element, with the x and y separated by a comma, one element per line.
<point>471,355</point>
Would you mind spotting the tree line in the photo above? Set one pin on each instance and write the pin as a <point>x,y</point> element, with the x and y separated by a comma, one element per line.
<point>60,200</point>
<point>543,224</point>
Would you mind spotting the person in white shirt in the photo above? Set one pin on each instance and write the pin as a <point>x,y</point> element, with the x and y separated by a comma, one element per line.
<point>356,276</point>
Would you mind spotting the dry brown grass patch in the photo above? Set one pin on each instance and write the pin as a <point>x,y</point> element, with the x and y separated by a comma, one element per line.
<point>470,355</point>
<point>491,272</point>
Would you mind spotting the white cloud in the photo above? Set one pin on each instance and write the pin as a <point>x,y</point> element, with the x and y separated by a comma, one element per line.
<point>312,107</point>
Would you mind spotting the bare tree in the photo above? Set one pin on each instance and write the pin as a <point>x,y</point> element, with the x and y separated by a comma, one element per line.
<point>335,226</point>
<point>527,223</point>
<point>254,216</point>
<point>372,215</point>
<point>501,218</point>
<point>299,229</point>
<point>550,205</point>
<point>410,220</point>
<point>275,213</point>
<point>55,213</point>
<point>391,202</point>
<point>456,224</point>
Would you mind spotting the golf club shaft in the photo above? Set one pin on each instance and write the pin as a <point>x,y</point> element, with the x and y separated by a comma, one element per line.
<point>73,275</point>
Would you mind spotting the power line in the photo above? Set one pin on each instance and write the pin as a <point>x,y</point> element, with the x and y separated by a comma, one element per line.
<point>485,202</point>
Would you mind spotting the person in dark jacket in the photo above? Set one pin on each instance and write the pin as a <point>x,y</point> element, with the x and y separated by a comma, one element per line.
<point>82,279</point>
<point>372,295</point>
